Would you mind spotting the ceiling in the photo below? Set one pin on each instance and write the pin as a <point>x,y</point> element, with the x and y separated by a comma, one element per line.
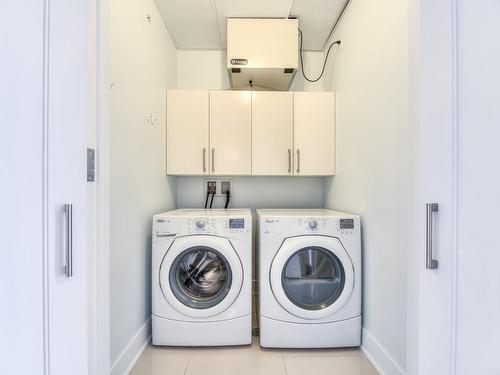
<point>201,24</point>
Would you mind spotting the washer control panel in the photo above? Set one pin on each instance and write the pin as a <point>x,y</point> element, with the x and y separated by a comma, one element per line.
<point>202,225</point>
<point>312,224</point>
<point>209,225</point>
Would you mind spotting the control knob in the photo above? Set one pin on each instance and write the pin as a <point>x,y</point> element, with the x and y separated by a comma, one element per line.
<point>313,223</point>
<point>200,223</point>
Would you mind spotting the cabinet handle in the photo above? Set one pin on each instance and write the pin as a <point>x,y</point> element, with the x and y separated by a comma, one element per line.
<point>213,160</point>
<point>298,161</point>
<point>204,159</point>
<point>289,160</point>
<point>430,262</point>
<point>68,212</point>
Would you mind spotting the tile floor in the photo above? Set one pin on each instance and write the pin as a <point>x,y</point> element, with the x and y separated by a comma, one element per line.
<point>251,360</point>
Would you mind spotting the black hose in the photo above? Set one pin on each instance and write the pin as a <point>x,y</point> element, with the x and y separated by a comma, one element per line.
<point>206,200</point>
<point>212,200</point>
<point>228,196</point>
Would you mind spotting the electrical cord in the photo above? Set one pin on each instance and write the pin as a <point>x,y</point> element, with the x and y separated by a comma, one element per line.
<point>228,196</point>
<point>324,63</point>
<point>212,200</point>
<point>206,200</point>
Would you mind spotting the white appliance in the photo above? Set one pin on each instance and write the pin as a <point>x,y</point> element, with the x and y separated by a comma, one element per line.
<point>310,278</point>
<point>201,277</point>
<point>263,51</point>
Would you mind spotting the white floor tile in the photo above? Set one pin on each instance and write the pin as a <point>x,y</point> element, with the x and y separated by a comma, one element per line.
<point>161,361</point>
<point>327,362</point>
<point>251,360</point>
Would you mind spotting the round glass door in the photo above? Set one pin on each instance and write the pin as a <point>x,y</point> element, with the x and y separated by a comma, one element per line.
<point>313,278</point>
<point>200,277</point>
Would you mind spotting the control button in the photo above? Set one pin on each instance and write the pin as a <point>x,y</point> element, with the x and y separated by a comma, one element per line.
<point>200,224</point>
<point>313,223</point>
<point>269,220</point>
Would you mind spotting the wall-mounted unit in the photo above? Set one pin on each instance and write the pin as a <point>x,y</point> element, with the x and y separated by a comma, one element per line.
<point>262,54</point>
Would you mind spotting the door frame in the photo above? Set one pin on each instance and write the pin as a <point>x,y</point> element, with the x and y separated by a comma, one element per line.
<point>99,291</point>
<point>421,23</point>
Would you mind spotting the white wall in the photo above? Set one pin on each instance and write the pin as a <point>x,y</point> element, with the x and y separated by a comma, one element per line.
<point>256,192</point>
<point>143,63</point>
<point>373,176</point>
<point>207,70</point>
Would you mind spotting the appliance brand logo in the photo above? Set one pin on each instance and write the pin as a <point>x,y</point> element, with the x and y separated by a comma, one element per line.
<point>239,61</point>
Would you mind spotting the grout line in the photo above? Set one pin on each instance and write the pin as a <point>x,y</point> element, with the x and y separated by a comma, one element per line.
<point>284,363</point>
<point>187,364</point>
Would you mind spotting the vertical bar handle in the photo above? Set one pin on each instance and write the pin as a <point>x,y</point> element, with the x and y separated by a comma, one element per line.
<point>430,262</point>
<point>213,160</point>
<point>289,160</point>
<point>204,159</point>
<point>298,161</point>
<point>68,211</point>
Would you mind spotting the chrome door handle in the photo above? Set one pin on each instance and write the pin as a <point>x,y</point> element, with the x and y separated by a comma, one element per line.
<point>204,159</point>
<point>430,262</point>
<point>213,160</point>
<point>68,268</point>
<point>298,161</point>
<point>289,160</point>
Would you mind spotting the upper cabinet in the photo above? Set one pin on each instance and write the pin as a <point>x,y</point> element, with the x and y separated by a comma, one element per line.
<point>272,133</point>
<point>231,132</point>
<point>314,133</point>
<point>264,133</point>
<point>187,132</point>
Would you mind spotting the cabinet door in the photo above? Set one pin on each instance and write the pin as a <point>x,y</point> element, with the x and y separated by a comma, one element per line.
<point>272,133</point>
<point>187,132</point>
<point>314,133</point>
<point>230,133</point>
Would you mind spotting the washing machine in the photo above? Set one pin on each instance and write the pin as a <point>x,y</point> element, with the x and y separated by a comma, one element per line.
<point>202,277</point>
<point>309,278</point>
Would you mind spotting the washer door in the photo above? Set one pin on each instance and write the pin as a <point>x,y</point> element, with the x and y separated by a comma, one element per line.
<point>312,277</point>
<point>201,276</point>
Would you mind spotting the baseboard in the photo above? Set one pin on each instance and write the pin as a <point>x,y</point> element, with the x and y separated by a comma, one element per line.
<point>129,356</point>
<point>378,356</point>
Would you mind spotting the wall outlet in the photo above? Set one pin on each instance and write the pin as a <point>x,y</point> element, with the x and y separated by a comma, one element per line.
<point>210,187</point>
<point>219,186</point>
<point>225,186</point>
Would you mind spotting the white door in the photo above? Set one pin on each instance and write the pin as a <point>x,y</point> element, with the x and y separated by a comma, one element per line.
<point>67,123</point>
<point>44,110</point>
<point>230,132</point>
<point>314,133</point>
<point>187,132</point>
<point>272,133</point>
<point>201,276</point>
<point>459,131</point>
<point>436,170</point>
<point>312,277</point>
<point>478,192</point>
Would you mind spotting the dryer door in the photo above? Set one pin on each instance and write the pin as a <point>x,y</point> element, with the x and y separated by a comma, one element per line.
<point>312,277</point>
<point>201,276</point>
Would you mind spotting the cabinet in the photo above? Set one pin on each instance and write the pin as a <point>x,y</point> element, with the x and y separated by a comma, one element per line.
<point>263,133</point>
<point>272,133</point>
<point>230,132</point>
<point>187,132</point>
<point>314,133</point>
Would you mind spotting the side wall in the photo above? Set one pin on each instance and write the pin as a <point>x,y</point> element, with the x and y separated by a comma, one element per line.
<point>143,63</point>
<point>373,177</point>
